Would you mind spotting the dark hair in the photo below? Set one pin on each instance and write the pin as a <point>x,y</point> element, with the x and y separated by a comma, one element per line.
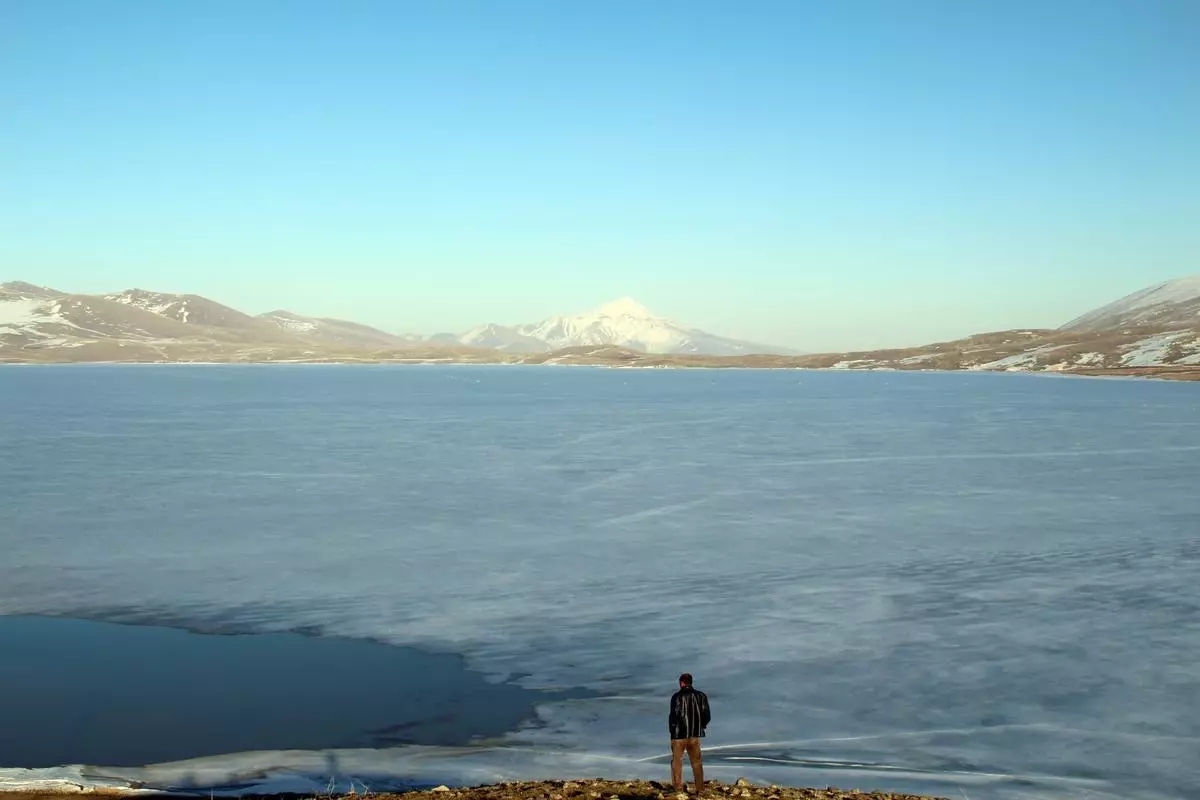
<point>686,679</point>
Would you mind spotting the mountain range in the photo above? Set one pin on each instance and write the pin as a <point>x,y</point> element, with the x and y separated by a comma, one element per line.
<point>41,324</point>
<point>1153,331</point>
<point>36,318</point>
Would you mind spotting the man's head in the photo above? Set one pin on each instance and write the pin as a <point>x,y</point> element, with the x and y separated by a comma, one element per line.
<point>685,680</point>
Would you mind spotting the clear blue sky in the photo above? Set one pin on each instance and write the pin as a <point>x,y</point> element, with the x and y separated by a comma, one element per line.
<point>820,174</point>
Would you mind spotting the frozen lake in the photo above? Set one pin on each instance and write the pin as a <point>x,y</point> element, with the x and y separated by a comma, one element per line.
<point>970,585</point>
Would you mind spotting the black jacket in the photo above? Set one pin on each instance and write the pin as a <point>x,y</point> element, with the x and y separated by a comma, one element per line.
<point>689,714</point>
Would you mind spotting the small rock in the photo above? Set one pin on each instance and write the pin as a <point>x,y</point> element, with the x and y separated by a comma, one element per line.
<point>741,782</point>
<point>441,788</point>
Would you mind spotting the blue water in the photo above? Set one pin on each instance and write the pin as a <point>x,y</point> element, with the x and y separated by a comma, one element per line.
<point>961,583</point>
<point>120,695</point>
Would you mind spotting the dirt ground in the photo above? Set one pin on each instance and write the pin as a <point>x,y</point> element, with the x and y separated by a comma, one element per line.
<point>590,789</point>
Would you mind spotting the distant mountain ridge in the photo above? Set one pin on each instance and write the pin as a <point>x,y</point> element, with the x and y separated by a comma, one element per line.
<point>38,323</point>
<point>38,316</point>
<point>141,315</point>
<point>621,323</point>
<point>1155,331</point>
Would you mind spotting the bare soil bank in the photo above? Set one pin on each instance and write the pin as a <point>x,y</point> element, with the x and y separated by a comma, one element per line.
<point>644,790</point>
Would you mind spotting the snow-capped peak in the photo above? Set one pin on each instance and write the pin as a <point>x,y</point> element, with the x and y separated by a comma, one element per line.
<point>624,307</point>
<point>622,323</point>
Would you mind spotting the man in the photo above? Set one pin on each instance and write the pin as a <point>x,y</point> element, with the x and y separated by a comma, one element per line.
<point>689,717</point>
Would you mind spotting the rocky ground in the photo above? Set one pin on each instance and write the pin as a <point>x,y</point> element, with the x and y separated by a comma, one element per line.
<point>644,790</point>
<point>580,790</point>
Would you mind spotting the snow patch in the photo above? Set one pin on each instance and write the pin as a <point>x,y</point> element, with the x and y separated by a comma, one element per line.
<point>164,305</point>
<point>1152,351</point>
<point>19,312</point>
<point>1020,361</point>
<point>918,359</point>
<point>26,316</point>
<point>1192,352</point>
<point>296,325</point>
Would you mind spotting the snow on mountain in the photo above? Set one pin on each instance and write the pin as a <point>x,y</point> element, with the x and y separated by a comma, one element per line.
<point>292,323</point>
<point>191,309</point>
<point>36,323</point>
<point>499,337</point>
<point>165,305</point>
<point>1164,348</point>
<point>37,317</point>
<point>1157,328</point>
<point>1174,302</point>
<point>17,314</point>
<point>623,322</point>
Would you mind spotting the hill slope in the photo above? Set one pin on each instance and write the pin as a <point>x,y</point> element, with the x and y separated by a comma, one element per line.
<point>332,331</point>
<point>192,309</point>
<point>38,324</point>
<point>1174,302</point>
<point>41,317</point>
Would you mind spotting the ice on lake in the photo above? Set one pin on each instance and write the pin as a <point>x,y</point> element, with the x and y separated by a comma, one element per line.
<point>916,581</point>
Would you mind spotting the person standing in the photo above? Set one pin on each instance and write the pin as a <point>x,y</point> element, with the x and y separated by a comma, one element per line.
<point>689,717</point>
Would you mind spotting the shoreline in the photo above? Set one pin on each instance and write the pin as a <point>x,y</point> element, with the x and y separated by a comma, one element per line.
<point>1186,373</point>
<point>556,789</point>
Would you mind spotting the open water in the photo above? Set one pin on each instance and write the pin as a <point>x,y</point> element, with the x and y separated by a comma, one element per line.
<point>971,585</point>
